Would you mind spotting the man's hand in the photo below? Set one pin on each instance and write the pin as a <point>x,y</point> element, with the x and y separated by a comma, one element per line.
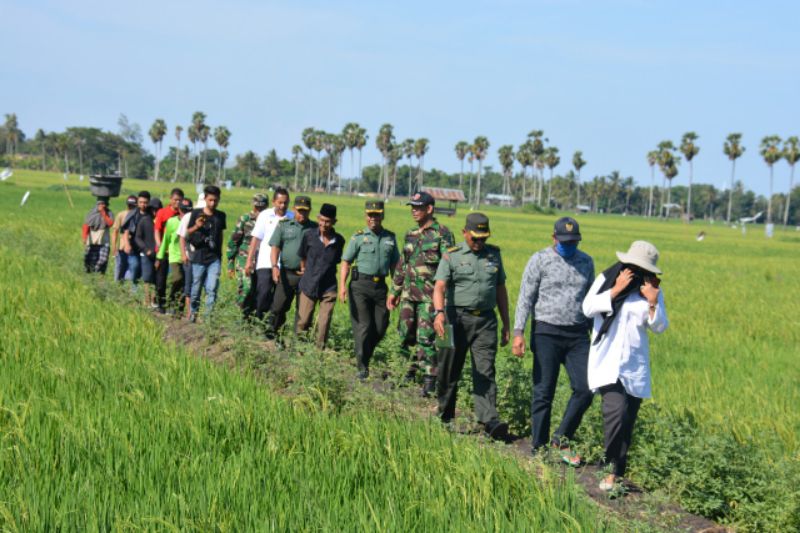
<point>650,292</point>
<point>392,301</point>
<point>276,274</point>
<point>158,263</point>
<point>184,259</point>
<point>438,324</point>
<point>505,335</point>
<point>128,249</point>
<point>201,220</point>
<point>518,347</point>
<point>623,280</point>
<point>248,268</point>
<point>343,294</point>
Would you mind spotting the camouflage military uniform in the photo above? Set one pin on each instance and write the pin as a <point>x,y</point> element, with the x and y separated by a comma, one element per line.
<point>238,247</point>
<point>413,281</point>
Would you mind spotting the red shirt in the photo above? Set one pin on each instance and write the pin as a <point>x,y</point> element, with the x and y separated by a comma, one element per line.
<point>164,214</point>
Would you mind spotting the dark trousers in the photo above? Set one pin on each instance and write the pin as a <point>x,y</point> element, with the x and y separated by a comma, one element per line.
<point>161,283</point>
<point>620,410</point>
<point>369,317</point>
<point>175,298</point>
<point>282,299</point>
<point>549,353</point>
<point>250,298</point>
<point>478,333</point>
<point>264,290</point>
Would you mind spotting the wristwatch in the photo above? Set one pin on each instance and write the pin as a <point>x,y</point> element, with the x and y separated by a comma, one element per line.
<point>437,311</point>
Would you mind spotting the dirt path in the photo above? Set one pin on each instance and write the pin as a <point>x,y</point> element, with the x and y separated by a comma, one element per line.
<point>636,504</point>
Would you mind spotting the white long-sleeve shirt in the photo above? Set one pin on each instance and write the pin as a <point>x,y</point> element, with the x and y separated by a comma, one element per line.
<point>624,351</point>
<point>263,229</point>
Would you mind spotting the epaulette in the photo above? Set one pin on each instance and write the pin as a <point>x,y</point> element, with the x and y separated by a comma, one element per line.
<point>281,221</point>
<point>359,232</point>
<point>454,248</point>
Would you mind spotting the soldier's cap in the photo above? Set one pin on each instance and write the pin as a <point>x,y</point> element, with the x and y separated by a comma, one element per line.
<point>303,203</point>
<point>328,210</point>
<point>131,200</point>
<point>421,199</point>
<point>259,200</point>
<point>185,205</point>
<point>566,229</point>
<point>478,225</point>
<point>374,207</point>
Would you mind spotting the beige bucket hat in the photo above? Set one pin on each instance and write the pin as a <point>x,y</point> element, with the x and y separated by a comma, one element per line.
<point>642,254</point>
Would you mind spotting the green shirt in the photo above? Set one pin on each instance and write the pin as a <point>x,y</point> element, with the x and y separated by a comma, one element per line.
<point>373,254</point>
<point>288,236</point>
<point>171,243</point>
<point>472,277</point>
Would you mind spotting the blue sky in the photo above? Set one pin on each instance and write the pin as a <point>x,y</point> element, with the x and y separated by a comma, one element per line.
<point>609,78</point>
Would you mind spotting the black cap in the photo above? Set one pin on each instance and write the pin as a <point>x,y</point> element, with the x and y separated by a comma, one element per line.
<point>567,229</point>
<point>421,199</point>
<point>259,200</point>
<point>185,205</point>
<point>302,203</point>
<point>478,225</point>
<point>374,207</point>
<point>155,203</point>
<point>328,210</point>
<point>131,200</point>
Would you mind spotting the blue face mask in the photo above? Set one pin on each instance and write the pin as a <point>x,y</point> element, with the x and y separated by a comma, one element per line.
<point>566,249</point>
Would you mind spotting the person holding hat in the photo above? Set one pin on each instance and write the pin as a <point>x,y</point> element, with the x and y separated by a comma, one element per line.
<point>95,236</point>
<point>373,252</point>
<point>471,275</point>
<point>554,284</point>
<point>625,301</point>
<point>286,263</point>
<point>412,287</point>
<point>238,250</point>
<point>118,239</point>
<point>170,252</point>
<point>320,251</point>
<point>259,257</point>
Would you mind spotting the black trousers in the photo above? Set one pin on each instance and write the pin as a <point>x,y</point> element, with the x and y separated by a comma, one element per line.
<point>478,334</point>
<point>161,283</point>
<point>369,317</point>
<point>620,411</point>
<point>549,353</point>
<point>264,289</point>
<point>282,299</point>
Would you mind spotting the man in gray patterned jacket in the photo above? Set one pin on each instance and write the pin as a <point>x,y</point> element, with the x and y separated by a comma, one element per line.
<point>553,287</point>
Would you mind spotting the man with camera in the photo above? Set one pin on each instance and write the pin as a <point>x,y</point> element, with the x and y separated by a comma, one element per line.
<point>205,233</point>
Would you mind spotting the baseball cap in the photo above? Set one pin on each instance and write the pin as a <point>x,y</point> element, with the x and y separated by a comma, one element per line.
<point>185,205</point>
<point>131,200</point>
<point>259,200</point>
<point>478,225</point>
<point>302,203</point>
<point>373,207</point>
<point>566,229</point>
<point>421,199</point>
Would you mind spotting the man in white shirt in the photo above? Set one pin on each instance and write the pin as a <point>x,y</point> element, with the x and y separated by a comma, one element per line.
<point>259,258</point>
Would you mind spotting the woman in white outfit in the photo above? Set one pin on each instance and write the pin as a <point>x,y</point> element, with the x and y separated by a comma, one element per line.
<point>624,301</point>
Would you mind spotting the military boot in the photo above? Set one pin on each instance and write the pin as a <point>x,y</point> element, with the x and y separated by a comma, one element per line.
<point>428,385</point>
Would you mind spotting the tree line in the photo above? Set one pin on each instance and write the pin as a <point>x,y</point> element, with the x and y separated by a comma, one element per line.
<point>528,174</point>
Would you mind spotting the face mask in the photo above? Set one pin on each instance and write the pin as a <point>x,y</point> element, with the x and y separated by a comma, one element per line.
<point>566,249</point>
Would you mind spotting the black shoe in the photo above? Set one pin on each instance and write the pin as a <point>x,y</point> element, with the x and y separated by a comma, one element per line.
<point>428,385</point>
<point>497,430</point>
<point>363,375</point>
<point>410,377</point>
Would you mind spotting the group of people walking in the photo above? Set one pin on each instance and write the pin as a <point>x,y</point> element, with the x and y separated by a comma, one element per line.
<point>449,297</point>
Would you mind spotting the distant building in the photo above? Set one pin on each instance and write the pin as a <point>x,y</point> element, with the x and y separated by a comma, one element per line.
<point>451,196</point>
<point>499,199</point>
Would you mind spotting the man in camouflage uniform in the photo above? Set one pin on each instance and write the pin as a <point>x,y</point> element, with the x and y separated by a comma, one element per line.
<point>412,287</point>
<point>238,246</point>
<point>472,276</point>
<point>372,253</point>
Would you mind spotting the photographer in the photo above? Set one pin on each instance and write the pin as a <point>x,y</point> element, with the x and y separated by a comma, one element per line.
<point>624,302</point>
<point>205,234</point>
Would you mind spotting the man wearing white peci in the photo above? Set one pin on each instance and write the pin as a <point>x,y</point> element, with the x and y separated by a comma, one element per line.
<point>624,301</point>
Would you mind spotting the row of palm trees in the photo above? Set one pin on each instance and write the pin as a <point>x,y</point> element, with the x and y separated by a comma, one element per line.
<point>198,133</point>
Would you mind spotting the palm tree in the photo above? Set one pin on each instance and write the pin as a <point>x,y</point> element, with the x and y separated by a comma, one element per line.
<point>319,145</point>
<point>157,132</point>
<point>689,150</point>
<point>551,159</point>
<point>578,162</point>
<point>772,153</point>
<point>420,149</point>
<point>480,148</point>
<point>205,133</point>
<point>791,153</point>
<point>13,134</point>
<point>178,131</point>
<point>222,136</point>
<point>385,142</point>
<point>308,141</point>
<point>733,149</point>
<point>331,146</point>
<point>361,142</point>
<point>537,149</point>
<point>297,151</point>
<point>198,125</point>
<point>471,159</point>
<point>41,138</point>
<point>408,150</point>
<point>652,159</point>
<point>525,159</point>
<point>506,156</point>
<point>193,136</point>
<point>461,152</point>
<point>668,163</point>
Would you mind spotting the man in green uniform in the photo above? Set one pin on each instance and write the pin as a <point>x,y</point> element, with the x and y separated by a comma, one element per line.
<point>412,286</point>
<point>238,246</point>
<point>284,243</point>
<point>374,252</point>
<point>471,274</point>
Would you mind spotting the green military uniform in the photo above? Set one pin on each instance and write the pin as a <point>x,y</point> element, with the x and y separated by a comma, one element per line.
<point>413,282</point>
<point>472,280</point>
<point>287,237</point>
<point>374,256</point>
<point>238,247</point>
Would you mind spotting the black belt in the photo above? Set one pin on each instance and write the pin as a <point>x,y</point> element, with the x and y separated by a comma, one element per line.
<point>358,276</point>
<point>473,312</point>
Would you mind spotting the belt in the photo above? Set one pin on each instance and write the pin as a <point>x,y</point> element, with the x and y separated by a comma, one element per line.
<point>359,276</point>
<point>473,312</point>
